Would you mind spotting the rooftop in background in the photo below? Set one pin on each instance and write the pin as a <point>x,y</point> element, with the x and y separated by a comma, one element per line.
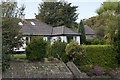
<point>88,30</point>
<point>64,30</point>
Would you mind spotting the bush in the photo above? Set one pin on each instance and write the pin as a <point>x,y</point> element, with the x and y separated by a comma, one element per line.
<point>36,49</point>
<point>58,49</point>
<point>101,55</point>
<point>75,52</point>
<point>98,70</point>
<point>95,41</point>
<point>86,68</point>
<point>91,72</point>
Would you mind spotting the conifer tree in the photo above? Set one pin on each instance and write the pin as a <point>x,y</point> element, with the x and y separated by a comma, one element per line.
<point>81,30</point>
<point>57,13</point>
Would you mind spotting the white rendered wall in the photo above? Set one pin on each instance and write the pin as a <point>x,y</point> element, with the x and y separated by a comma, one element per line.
<point>53,39</point>
<point>78,39</point>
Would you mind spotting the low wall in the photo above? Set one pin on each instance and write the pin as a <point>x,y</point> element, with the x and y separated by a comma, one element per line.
<point>76,72</point>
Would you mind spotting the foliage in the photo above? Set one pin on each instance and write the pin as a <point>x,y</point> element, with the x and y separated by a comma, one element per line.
<point>51,58</point>
<point>106,21</point>
<point>91,72</point>
<point>36,49</point>
<point>86,68</point>
<point>101,55</point>
<point>58,50</point>
<point>98,70</point>
<point>11,33</point>
<point>95,41</point>
<point>82,31</point>
<point>110,11</point>
<point>100,32</point>
<point>49,49</point>
<point>75,52</point>
<point>11,36</point>
<point>57,13</point>
<point>10,9</point>
<point>116,42</point>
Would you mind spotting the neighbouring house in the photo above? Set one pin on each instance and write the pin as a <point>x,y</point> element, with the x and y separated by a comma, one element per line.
<point>33,27</point>
<point>89,32</point>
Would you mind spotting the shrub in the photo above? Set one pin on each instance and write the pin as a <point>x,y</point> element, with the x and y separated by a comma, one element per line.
<point>86,68</point>
<point>52,59</point>
<point>58,49</point>
<point>101,55</point>
<point>98,70</point>
<point>36,49</point>
<point>75,52</point>
<point>49,49</point>
<point>91,72</point>
<point>95,41</point>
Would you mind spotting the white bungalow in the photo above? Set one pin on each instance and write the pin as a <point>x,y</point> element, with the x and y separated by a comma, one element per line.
<point>33,27</point>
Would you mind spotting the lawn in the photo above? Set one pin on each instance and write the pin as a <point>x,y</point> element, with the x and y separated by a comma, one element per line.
<point>20,56</point>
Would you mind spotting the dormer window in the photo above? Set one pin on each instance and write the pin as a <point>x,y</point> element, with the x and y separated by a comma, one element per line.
<point>32,23</point>
<point>20,23</point>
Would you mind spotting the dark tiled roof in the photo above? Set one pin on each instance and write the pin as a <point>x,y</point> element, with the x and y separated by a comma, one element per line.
<point>41,28</point>
<point>89,30</point>
<point>64,30</point>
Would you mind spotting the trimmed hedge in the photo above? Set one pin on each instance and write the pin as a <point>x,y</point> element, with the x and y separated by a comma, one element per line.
<point>100,55</point>
<point>36,49</point>
<point>95,41</point>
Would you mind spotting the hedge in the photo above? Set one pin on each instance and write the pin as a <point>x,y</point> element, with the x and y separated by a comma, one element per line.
<point>100,55</point>
<point>95,41</point>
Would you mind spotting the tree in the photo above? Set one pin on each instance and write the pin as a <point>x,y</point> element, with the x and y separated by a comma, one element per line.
<point>81,30</point>
<point>11,35</point>
<point>109,10</point>
<point>57,13</point>
<point>11,16</point>
<point>10,9</point>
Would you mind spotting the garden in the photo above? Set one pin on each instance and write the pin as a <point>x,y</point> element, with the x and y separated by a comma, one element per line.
<point>94,60</point>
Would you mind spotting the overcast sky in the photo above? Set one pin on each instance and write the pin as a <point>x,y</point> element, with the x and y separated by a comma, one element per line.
<point>86,8</point>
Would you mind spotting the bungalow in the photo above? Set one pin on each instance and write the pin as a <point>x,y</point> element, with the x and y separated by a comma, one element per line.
<point>33,27</point>
<point>89,32</point>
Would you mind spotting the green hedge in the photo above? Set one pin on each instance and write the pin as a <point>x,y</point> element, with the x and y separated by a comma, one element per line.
<point>95,41</point>
<point>100,55</point>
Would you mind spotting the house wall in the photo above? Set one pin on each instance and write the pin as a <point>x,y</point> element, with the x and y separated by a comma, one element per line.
<point>78,39</point>
<point>45,38</point>
<point>55,38</point>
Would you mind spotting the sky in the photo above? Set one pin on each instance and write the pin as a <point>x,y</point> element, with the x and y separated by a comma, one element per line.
<point>86,8</point>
